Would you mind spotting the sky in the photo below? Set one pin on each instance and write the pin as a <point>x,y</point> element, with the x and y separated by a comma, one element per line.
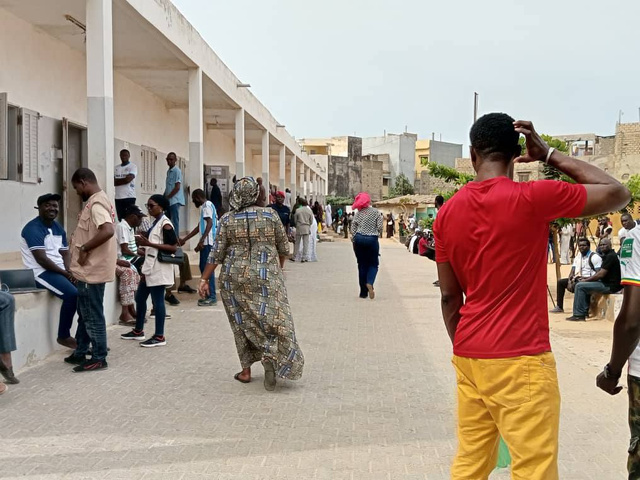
<point>363,67</point>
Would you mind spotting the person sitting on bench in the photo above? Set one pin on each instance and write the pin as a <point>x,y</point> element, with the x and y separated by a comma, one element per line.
<point>45,250</point>
<point>7,339</point>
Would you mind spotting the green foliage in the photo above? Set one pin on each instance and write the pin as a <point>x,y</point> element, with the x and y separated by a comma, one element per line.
<point>633,184</point>
<point>401,187</point>
<point>339,201</point>
<point>425,223</point>
<point>448,174</point>
<point>424,160</point>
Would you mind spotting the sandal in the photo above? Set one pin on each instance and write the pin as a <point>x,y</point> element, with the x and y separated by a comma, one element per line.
<point>237,377</point>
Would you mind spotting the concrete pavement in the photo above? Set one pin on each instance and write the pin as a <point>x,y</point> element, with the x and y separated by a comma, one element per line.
<point>376,401</point>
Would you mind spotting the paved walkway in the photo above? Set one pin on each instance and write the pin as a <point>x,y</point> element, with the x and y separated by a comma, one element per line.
<point>376,400</point>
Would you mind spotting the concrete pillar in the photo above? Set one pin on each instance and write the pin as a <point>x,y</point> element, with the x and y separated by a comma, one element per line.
<point>240,143</point>
<point>99,39</point>
<point>283,168</point>
<point>265,160</point>
<point>307,182</point>
<point>196,143</point>
<point>301,192</point>
<point>294,180</point>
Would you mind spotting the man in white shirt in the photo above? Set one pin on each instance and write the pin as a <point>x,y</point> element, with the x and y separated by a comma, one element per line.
<point>287,198</point>
<point>125,175</point>
<point>207,228</point>
<point>626,333</point>
<point>125,269</point>
<point>627,224</point>
<point>585,265</point>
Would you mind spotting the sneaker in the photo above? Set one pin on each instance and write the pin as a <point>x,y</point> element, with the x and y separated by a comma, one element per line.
<point>575,318</point>
<point>133,335</point>
<point>154,341</point>
<point>186,289</point>
<point>171,299</point>
<point>557,310</point>
<point>9,377</point>
<point>74,359</point>
<point>91,365</point>
<point>207,302</point>
<point>153,315</point>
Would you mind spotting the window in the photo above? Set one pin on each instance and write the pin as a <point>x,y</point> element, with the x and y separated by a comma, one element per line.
<point>424,160</point>
<point>524,176</point>
<point>18,143</point>
<point>312,152</point>
<point>148,174</point>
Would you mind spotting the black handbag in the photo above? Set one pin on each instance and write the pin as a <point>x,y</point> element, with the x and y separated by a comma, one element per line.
<point>175,258</point>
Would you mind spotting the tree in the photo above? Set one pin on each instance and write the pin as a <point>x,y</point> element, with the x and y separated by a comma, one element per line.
<point>449,175</point>
<point>401,187</point>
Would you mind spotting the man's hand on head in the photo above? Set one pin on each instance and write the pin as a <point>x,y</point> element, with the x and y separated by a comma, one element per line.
<point>536,147</point>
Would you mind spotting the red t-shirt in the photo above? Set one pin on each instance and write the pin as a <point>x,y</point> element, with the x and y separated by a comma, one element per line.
<point>495,235</point>
<point>422,246</point>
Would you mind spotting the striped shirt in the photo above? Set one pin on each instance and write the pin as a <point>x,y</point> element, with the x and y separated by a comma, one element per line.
<point>125,234</point>
<point>367,221</point>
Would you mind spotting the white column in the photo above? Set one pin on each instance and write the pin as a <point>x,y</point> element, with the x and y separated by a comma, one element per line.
<point>99,39</point>
<point>240,143</point>
<point>283,168</point>
<point>307,183</point>
<point>265,159</point>
<point>294,180</point>
<point>196,142</point>
<point>301,185</point>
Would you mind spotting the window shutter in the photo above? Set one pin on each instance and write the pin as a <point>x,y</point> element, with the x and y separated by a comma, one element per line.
<point>148,170</point>
<point>4,129</point>
<point>29,145</point>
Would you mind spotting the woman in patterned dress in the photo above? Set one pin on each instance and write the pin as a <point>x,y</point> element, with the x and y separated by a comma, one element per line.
<point>251,248</point>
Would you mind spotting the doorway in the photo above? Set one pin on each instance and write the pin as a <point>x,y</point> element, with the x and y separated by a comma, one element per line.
<point>74,156</point>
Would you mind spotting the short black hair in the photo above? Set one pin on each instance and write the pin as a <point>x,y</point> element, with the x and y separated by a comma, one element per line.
<point>439,200</point>
<point>84,174</point>
<point>160,200</point>
<point>125,150</point>
<point>584,239</point>
<point>494,133</point>
<point>198,192</point>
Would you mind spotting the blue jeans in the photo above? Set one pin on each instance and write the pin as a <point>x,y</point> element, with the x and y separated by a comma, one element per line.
<point>582,296</point>
<point>157,298</point>
<point>174,216</point>
<point>204,256</point>
<point>92,328</point>
<point>66,291</point>
<point>367,250</point>
<point>7,326</point>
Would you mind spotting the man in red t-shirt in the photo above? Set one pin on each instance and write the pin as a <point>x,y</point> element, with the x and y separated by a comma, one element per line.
<point>493,284</point>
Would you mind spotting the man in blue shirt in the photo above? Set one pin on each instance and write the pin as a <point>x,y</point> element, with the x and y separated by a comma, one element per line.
<point>174,191</point>
<point>45,250</point>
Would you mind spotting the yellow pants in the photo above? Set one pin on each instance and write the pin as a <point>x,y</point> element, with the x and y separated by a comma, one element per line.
<point>517,398</point>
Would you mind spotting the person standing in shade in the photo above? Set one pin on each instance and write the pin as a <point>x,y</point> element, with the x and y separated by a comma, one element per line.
<point>207,228</point>
<point>174,192</point>
<point>366,228</point>
<point>391,226</point>
<point>251,248</point>
<point>127,258</point>
<point>156,275</point>
<point>284,212</point>
<point>262,196</point>
<point>628,224</point>
<point>303,220</point>
<point>494,305</point>
<point>45,250</point>
<point>287,198</point>
<point>125,175</point>
<point>93,264</point>
<point>216,196</point>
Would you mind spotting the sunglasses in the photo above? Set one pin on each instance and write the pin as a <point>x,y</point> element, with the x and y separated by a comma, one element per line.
<point>151,205</point>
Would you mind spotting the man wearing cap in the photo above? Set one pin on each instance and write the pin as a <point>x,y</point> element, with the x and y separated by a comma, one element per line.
<point>125,265</point>
<point>45,250</point>
<point>283,211</point>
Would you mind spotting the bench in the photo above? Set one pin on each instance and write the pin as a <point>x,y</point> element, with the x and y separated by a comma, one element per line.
<point>605,306</point>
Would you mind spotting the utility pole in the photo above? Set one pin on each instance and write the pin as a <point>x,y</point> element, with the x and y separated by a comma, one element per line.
<point>475,106</point>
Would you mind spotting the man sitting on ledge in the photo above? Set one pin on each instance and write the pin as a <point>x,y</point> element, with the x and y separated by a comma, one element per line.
<point>45,250</point>
<point>7,339</point>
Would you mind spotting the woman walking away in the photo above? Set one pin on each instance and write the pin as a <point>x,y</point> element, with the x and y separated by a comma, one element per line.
<point>391,226</point>
<point>252,247</point>
<point>366,226</point>
<point>156,275</point>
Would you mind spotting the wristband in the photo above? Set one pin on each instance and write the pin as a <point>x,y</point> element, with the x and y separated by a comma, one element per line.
<point>549,153</point>
<point>202,280</point>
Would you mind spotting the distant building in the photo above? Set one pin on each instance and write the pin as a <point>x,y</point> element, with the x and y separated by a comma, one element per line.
<point>401,149</point>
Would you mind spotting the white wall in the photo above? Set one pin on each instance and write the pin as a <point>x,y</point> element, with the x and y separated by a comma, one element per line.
<point>401,150</point>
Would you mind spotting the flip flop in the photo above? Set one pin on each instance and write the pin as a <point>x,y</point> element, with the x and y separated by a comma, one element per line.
<point>237,377</point>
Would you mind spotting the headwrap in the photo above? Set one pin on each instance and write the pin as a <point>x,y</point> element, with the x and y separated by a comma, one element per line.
<point>363,200</point>
<point>244,194</point>
<point>280,194</point>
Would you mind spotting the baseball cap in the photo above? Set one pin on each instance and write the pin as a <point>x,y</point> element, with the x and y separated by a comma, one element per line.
<point>134,210</point>
<point>47,197</point>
